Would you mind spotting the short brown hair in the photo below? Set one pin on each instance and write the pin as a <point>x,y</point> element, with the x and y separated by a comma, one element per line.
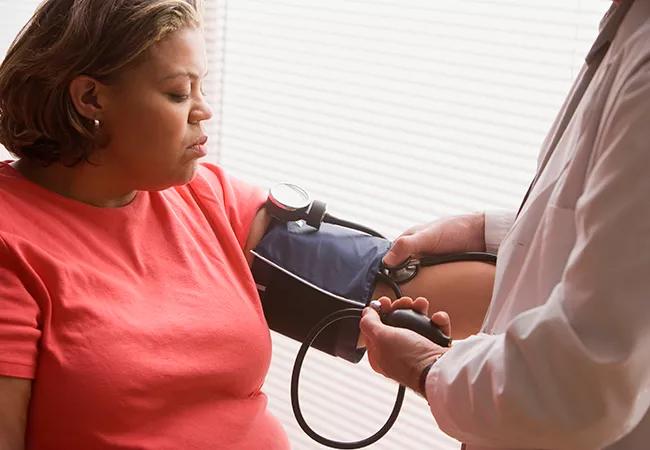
<point>65,39</point>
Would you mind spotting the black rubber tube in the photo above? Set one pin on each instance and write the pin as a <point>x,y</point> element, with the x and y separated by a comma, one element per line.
<point>328,218</point>
<point>349,313</point>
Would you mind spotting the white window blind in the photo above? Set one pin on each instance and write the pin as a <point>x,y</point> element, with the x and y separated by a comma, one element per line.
<point>394,112</point>
<point>13,15</point>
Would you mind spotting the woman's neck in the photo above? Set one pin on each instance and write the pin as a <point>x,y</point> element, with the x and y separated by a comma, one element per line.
<point>83,182</point>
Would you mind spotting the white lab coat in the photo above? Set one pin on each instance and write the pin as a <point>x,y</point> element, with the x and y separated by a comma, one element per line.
<point>564,358</point>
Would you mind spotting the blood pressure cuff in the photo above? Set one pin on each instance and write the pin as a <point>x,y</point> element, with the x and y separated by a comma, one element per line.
<point>304,274</point>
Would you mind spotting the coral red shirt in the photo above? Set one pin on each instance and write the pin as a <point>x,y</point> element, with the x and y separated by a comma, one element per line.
<point>141,325</point>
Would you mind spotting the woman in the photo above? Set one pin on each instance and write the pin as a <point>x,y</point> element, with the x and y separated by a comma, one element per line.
<point>128,315</point>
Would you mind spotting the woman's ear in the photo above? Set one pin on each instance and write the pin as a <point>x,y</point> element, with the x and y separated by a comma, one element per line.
<point>86,94</point>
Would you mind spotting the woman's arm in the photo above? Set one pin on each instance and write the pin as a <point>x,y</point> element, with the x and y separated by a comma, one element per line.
<point>462,289</point>
<point>258,228</point>
<point>14,402</point>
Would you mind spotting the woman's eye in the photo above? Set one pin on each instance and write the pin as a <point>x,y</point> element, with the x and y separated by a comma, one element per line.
<point>179,98</point>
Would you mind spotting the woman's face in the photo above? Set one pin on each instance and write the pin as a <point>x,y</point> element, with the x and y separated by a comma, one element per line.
<point>153,115</point>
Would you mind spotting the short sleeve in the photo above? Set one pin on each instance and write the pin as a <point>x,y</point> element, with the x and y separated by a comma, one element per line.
<point>19,319</point>
<point>241,200</point>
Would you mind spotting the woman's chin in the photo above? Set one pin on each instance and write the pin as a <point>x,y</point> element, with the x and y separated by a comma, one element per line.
<point>189,174</point>
<point>180,177</point>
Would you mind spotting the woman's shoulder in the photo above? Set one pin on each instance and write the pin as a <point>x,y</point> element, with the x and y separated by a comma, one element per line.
<point>212,175</point>
<point>220,194</point>
<point>16,215</point>
<point>212,181</point>
<point>207,185</point>
<point>11,191</point>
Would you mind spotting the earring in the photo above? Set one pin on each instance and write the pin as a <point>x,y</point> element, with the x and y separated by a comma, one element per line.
<point>97,123</point>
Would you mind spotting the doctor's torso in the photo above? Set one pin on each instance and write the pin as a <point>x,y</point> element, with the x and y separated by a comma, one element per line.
<point>538,247</point>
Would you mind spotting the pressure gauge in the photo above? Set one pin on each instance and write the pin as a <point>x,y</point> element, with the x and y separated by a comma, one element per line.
<point>288,202</point>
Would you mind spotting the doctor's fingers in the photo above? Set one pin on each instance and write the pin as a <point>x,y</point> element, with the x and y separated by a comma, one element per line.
<point>420,304</point>
<point>386,304</point>
<point>371,326</point>
<point>441,320</point>
<point>426,240</point>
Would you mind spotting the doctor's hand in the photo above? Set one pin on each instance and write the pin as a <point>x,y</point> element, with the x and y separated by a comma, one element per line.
<point>398,353</point>
<point>454,234</point>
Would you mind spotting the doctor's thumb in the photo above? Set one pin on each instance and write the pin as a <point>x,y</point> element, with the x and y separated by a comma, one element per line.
<point>441,320</point>
<point>402,248</point>
<point>370,324</point>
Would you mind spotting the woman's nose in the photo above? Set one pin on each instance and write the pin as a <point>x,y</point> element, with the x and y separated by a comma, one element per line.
<point>202,112</point>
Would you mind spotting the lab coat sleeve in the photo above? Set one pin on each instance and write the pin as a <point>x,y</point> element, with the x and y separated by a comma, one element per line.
<point>497,225</point>
<point>574,372</point>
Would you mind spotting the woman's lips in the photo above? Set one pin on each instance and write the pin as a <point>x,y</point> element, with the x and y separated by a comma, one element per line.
<point>199,147</point>
<point>200,150</point>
